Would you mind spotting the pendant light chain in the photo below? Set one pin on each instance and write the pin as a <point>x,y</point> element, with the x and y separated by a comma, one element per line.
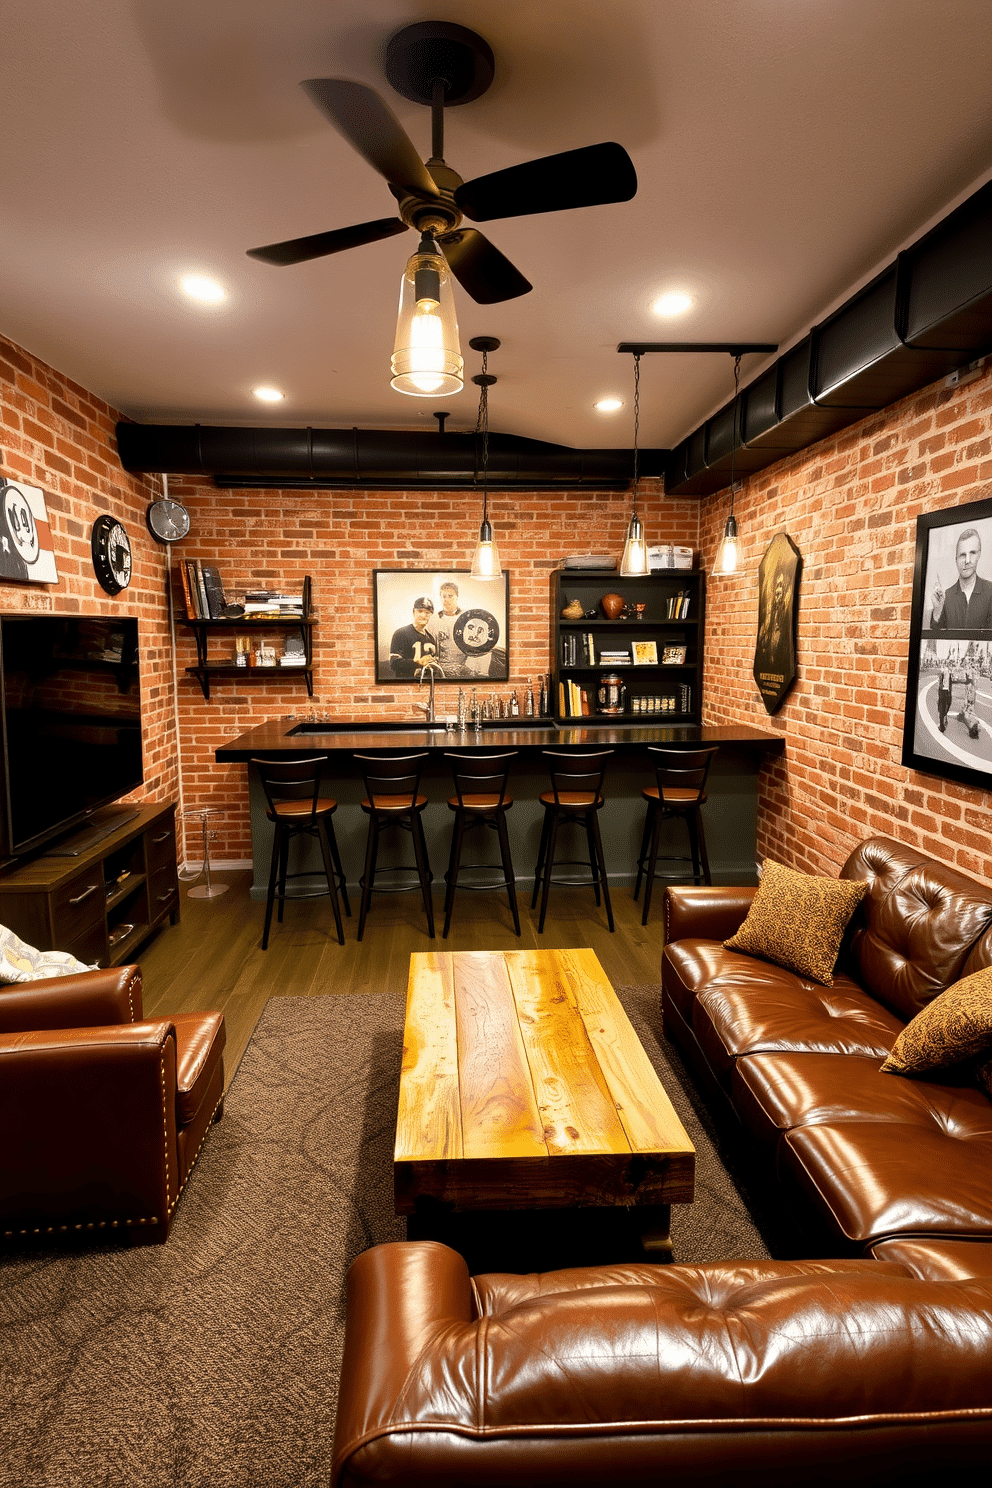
<point>733,434</point>
<point>482,425</point>
<point>637,422</point>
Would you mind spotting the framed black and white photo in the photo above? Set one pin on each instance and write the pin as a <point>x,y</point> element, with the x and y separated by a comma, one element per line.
<point>948,726</point>
<point>440,618</point>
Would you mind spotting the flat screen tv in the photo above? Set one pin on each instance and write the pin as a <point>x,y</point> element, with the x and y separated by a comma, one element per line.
<point>70,714</point>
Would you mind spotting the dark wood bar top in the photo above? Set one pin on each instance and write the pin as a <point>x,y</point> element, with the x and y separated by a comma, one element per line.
<point>291,738</point>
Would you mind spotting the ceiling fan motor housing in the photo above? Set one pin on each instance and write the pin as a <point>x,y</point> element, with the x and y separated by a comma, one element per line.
<point>422,54</point>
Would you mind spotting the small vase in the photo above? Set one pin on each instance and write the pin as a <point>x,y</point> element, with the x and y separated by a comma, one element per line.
<point>612,606</point>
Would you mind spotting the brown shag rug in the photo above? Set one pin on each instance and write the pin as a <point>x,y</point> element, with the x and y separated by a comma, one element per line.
<point>211,1361</point>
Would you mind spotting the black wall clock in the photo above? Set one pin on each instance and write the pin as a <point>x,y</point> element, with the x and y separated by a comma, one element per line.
<point>167,520</point>
<point>111,549</point>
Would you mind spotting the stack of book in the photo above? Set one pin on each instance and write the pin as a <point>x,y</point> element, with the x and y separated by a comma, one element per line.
<point>614,657</point>
<point>269,603</point>
<point>573,701</point>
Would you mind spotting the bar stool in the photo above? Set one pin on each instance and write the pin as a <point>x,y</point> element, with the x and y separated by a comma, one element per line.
<point>481,801</point>
<point>294,804</point>
<point>393,799</point>
<point>679,792</point>
<point>575,796</point>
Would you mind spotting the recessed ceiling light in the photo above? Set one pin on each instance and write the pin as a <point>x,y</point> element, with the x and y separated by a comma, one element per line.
<point>268,394</point>
<point>199,287</point>
<point>608,405</point>
<point>672,302</point>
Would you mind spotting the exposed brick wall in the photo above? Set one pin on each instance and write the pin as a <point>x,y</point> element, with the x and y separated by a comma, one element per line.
<point>850,504</point>
<point>275,537</point>
<point>56,435</point>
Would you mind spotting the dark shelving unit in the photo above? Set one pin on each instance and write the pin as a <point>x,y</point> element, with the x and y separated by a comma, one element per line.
<point>206,670</point>
<point>655,592</point>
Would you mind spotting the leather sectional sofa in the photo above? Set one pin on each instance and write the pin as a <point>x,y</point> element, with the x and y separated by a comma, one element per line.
<point>872,1368</point>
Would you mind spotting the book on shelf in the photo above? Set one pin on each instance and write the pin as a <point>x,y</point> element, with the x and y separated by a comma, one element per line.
<point>201,590</point>
<point>186,590</point>
<point>678,605</point>
<point>216,598</point>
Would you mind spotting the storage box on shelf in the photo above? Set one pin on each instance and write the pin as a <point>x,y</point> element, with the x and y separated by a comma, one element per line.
<point>101,905</point>
<point>248,626</point>
<point>584,650</point>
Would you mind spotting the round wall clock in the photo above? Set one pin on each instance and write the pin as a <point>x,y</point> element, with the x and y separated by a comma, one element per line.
<point>167,520</point>
<point>111,549</point>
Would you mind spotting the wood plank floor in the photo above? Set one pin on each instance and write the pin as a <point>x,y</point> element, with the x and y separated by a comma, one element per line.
<point>212,958</point>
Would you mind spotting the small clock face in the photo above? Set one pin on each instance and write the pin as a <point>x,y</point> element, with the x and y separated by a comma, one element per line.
<point>111,549</point>
<point>168,520</point>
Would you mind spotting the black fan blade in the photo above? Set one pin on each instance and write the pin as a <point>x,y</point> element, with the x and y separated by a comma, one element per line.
<point>487,275</point>
<point>576,178</point>
<point>369,124</point>
<point>317,245</point>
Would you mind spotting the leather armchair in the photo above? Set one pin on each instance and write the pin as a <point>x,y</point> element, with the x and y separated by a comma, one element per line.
<point>103,1112</point>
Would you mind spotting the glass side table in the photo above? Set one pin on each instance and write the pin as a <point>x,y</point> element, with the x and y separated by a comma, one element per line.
<point>206,817</point>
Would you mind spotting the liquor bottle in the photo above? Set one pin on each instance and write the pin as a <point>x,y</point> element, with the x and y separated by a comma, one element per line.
<point>461,707</point>
<point>529,709</point>
<point>544,697</point>
<point>514,704</point>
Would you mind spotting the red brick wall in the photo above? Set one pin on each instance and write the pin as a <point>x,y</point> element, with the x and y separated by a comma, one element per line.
<point>56,435</point>
<point>275,537</point>
<point>850,504</point>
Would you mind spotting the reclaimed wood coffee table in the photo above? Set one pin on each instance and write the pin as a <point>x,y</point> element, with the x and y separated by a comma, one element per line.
<point>524,1087</point>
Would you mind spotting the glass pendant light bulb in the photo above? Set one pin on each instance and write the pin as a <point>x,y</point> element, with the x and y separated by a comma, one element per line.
<point>427,360</point>
<point>635,551</point>
<point>485,559</point>
<point>728,557</point>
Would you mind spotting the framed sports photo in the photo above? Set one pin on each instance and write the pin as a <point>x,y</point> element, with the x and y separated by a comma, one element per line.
<point>644,653</point>
<point>441,619</point>
<point>27,550</point>
<point>948,723</point>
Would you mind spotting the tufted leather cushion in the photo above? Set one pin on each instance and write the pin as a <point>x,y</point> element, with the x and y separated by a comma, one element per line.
<point>873,1179</point>
<point>775,1092</point>
<point>916,927</point>
<point>798,921</point>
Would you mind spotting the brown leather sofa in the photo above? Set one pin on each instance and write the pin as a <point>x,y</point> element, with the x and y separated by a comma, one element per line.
<point>102,1112</point>
<point>874,1368</point>
<point>744,1372</point>
<point>865,1156</point>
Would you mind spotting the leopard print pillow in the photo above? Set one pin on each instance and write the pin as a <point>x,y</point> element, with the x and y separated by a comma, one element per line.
<point>798,921</point>
<point>956,1026</point>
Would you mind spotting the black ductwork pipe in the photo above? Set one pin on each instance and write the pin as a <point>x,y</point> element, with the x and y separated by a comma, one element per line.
<point>926,315</point>
<point>377,459</point>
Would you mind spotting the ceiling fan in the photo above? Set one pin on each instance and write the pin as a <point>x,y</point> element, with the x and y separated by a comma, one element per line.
<point>441,64</point>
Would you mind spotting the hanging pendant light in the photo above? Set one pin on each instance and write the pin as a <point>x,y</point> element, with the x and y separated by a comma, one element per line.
<point>427,359</point>
<point>728,555</point>
<point>635,549</point>
<point>485,559</point>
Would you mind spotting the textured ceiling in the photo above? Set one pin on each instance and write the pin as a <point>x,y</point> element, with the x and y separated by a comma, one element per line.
<point>784,148</point>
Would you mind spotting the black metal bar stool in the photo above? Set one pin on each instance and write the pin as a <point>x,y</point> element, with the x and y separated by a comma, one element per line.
<point>576,795</point>
<point>480,801</point>
<point>393,799</point>
<point>679,792</point>
<point>295,806</point>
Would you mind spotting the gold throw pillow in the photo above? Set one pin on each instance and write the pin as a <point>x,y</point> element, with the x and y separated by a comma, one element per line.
<point>956,1026</point>
<point>798,921</point>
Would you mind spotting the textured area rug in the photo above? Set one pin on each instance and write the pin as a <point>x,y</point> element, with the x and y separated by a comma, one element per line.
<point>212,1361</point>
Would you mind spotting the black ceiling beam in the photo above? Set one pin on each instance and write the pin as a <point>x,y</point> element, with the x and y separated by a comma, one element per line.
<point>734,348</point>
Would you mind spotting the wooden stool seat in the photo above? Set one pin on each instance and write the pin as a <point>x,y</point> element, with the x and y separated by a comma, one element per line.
<point>677,794</point>
<point>294,805</point>
<point>576,796</point>
<point>480,800</point>
<point>393,799</point>
<point>323,806</point>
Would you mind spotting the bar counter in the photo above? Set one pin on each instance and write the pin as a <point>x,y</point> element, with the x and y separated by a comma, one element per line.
<point>730,813</point>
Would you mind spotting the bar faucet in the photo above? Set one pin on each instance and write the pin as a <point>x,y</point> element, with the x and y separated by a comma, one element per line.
<point>432,667</point>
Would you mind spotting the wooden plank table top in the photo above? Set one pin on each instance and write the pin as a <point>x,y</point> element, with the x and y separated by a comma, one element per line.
<point>524,1086</point>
